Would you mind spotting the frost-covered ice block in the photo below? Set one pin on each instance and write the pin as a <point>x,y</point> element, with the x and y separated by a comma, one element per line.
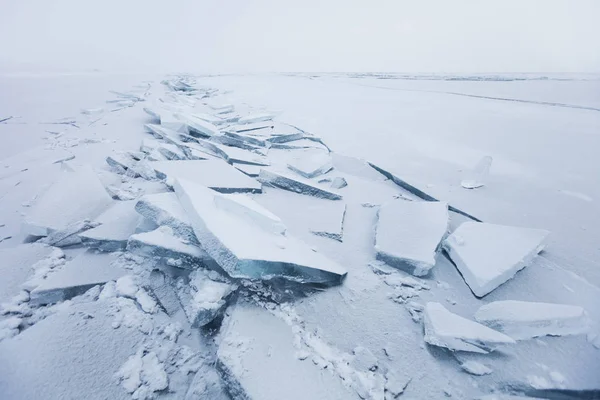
<point>169,121</point>
<point>296,184</point>
<point>215,174</point>
<point>252,118</point>
<point>162,243</point>
<point>76,277</point>
<point>203,298</point>
<point>250,170</point>
<point>524,320</point>
<point>165,209</point>
<point>116,225</point>
<point>487,255</point>
<point>258,347</point>
<point>409,233</point>
<point>244,250</point>
<point>477,177</point>
<point>241,156</point>
<point>72,354</point>
<point>76,196</point>
<point>311,164</point>
<point>154,113</point>
<point>445,329</point>
<point>15,266</point>
<point>339,183</point>
<point>162,288</point>
<point>197,126</point>
<point>171,151</point>
<point>246,208</point>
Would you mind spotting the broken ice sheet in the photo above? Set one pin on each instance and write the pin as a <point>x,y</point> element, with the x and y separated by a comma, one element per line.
<point>487,255</point>
<point>244,249</point>
<point>116,225</point>
<point>203,298</point>
<point>196,126</point>
<point>74,197</point>
<point>477,177</point>
<point>258,117</point>
<point>162,243</point>
<point>165,209</point>
<point>524,320</point>
<point>250,170</point>
<point>76,277</point>
<point>408,234</point>
<point>215,174</point>
<point>310,163</point>
<point>283,180</point>
<point>445,329</point>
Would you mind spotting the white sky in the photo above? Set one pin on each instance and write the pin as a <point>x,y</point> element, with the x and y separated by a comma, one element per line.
<point>307,35</point>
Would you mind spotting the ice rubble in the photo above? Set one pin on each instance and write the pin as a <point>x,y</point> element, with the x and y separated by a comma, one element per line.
<point>116,225</point>
<point>408,234</point>
<point>445,329</point>
<point>76,277</point>
<point>311,164</point>
<point>243,249</point>
<point>476,178</point>
<point>487,255</point>
<point>165,209</point>
<point>215,174</point>
<point>282,180</point>
<point>524,320</point>
<point>76,196</point>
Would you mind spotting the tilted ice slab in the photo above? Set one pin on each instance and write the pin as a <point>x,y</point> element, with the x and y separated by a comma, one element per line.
<point>171,151</point>
<point>296,184</point>
<point>250,170</point>
<point>169,121</point>
<point>445,329</point>
<point>409,233</point>
<point>311,164</point>
<point>116,225</point>
<point>245,250</point>
<point>208,118</point>
<point>259,117</point>
<point>76,277</point>
<point>165,209</point>
<point>162,243</point>
<point>197,126</point>
<point>246,208</point>
<point>258,347</point>
<point>203,298</point>
<point>476,178</point>
<point>524,320</point>
<point>237,155</point>
<point>76,196</point>
<point>487,255</point>
<point>215,174</point>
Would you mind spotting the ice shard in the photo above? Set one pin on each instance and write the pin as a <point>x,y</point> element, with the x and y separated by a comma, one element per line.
<point>311,163</point>
<point>215,174</point>
<point>116,225</point>
<point>171,152</point>
<point>76,277</point>
<point>477,177</point>
<point>197,126</point>
<point>408,234</point>
<point>487,255</point>
<point>339,183</point>
<point>241,156</point>
<point>162,243</point>
<point>244,249</point>
<point>165,209</point>
<point>296,184</point>
<point>524,320</point>
<point>445,329</point>
<point>169,121</point>
<point>259,117</point>
<point>76,196</point>
<point>222,108</point>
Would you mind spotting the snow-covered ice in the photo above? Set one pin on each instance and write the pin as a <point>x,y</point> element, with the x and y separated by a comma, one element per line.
<point>524,319</point>
<point>256,118</point>
<point>476,178</point>
<point>165,209</point>
<point>244,207</point>
<point>487,255</point>
<point>250,170</point>
<point>244,250</point>
<point>445,329</point>
<point>310,163</point>
<point>408,234</point>
<point>197,126</point>
<point>287,181</point>
<point>115,226</point>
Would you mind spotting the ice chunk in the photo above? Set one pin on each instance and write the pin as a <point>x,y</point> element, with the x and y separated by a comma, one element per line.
<point>330,220</point>
<point>284,133</point>
<point>208,118</point>
<point>215,174</point>
<point>70,235</point>
<point>171,152</point>
<point>76,277</point>
<point>525,320</point>
<point>163,289</point>
<point>299,144</point>
<point>339,183</point>
<point>149,145</point>
<point>165,209</point>
<point>311,164</point>
<point>256,118</point>
<point>409,233</point>
<point>241,156</point>
<point>246,138</point>
<point>155,114</point>
<point>477,177</point>
<point>197,126</point>
<point>445,329</point>
<point>246,208</point>
<point>250,170</point>
<point>169,121</point>
<point>296,184</point>
<point>162,243</point>
<point>222,108</point>
<point>258,347</point>
<point>253,126</point>
<point>244,250</point>
<point>488,255</point>
<point>116,225</point>
<point>124,164</point>
<point>76,196</point>
<point>203,299</point>
<point>475,368</point>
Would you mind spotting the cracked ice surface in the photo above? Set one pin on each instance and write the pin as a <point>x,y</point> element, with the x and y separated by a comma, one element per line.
<point>244,250</point>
